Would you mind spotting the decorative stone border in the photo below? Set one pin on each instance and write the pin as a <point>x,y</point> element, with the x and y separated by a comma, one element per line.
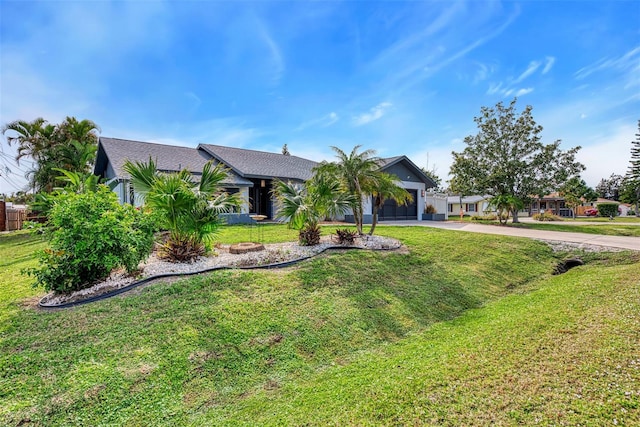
<point>138,283</point>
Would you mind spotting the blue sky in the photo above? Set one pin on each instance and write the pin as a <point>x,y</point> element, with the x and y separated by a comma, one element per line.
<point>396,77</point>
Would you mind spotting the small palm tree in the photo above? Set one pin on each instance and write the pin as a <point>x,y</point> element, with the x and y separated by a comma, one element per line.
<point>386,187</point>
<point>304,206</point>
<point>189,210</point>
<point>357,174</point>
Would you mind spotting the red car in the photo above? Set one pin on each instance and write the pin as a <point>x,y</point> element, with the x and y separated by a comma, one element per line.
<point>591,212</point>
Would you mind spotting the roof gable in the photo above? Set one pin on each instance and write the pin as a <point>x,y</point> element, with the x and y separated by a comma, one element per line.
<point>261,164</point>
<point>397,163</point>
<point>168,158</point>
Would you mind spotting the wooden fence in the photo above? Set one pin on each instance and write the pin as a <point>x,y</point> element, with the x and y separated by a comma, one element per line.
<point>15,218</point>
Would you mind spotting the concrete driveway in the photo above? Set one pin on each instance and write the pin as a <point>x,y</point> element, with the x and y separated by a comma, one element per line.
<point>621,242</point>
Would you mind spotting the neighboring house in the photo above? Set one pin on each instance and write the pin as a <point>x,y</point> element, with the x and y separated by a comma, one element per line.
<point>553,203</point>
<point>470,205</point>
<point>251,173</point>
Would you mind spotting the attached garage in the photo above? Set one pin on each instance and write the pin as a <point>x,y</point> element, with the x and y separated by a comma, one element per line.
<point>392,212</point>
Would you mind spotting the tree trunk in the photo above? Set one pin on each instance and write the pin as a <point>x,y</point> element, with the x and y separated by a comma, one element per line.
<point>514,213</point>
<point>374,221</point>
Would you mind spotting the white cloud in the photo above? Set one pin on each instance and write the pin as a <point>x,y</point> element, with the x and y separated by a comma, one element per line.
<point>607,154</point>
<point>374,114</point>
<point>533,66</point>
<point>524,91</point>
<point>549,64</point>
<point>324,121</point>
<point>624,62</point>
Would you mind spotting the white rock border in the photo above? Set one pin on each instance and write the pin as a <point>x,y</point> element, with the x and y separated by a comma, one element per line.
<point>273,255</point>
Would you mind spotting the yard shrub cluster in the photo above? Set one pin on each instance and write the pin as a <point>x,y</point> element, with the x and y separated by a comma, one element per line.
<point>91,234</point>
<point>346,236</point>
<point>608,209</point>
<point>486,217</point>
<point>546,216</point>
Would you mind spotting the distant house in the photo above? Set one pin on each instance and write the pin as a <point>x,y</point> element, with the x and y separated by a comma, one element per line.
<point>469,205</point>
<point>251,173</point>
<point>553,203</point>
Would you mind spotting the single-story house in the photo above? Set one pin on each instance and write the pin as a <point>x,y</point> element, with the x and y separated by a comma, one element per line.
<point>553,203</point>
<point>470,205</point>
<point>251,173</point>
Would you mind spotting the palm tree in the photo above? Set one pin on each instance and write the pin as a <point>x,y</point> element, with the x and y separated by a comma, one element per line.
<point>31,138</point>
<point>303,206</point>
<point>357,173</point>
<point>387,188</point>
<point>190,211</point>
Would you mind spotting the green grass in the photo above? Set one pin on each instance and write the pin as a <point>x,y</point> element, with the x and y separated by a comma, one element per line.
<point>464,329</point>
<point>610,229</point>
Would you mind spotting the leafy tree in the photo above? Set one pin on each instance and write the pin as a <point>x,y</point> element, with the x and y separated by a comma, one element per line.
<point>386,187</point>
<point>285,150</point>
<point>304,206</point>
<point>431,173</point>
<point>503,204</point>
<point>507,158</point>
<point>609,188</point>
<point>357,174</point>
<point>575,191</point>
<point>631,183</point>
<point>189,210</point>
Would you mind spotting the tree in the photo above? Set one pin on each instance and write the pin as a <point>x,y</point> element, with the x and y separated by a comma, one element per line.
<point>507,158</point>
<point>304,205</point>
<point>575,191</point>
<point>386,187</point>
<point>285,150</point>
<point>357,174</point>
<point>70,145</point>
<point>609,188</point>
<point>631,182</point>
<point>189,210</point>
<point>431,173</point>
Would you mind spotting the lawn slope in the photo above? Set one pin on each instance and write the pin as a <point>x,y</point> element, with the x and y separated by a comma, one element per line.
<point>347,338</point>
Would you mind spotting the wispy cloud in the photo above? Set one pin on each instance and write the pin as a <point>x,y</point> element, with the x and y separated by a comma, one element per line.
<point>275,54</point>
<point>628,61</point>
<point>372,115</point>
<point>511,86</point>
<point>324,121</point>
<point>533,66</point>
<point>550,60</point>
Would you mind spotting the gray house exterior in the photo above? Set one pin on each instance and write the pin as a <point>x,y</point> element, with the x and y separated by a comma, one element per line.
<point>251,173</point>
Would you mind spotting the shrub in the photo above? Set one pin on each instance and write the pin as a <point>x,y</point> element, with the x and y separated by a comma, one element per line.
<point>608,209</point>
<point>346,236</point>
<point>430,209</point>
<point>90,235</point>
<point>486,217</point>
<point>546,216</point>
<point>309,235</point>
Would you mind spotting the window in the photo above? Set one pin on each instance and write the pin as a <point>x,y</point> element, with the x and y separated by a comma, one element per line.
<point>471,207</point>
<point>450,207</point>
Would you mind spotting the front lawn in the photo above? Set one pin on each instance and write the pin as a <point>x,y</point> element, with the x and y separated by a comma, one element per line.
<point>610,229</point>
<point>462,329</point>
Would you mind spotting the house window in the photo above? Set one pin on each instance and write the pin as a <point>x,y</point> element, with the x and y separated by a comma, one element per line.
<point>471,207</point>
<point>450,207</point>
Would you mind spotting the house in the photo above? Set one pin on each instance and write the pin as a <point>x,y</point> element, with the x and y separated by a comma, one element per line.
<point>469,205</point>
<point>594,204</point>
<point>251,173</point>
<point>553,203</point>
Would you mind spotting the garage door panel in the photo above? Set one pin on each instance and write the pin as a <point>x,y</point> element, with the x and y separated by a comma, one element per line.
<point>391,211</point>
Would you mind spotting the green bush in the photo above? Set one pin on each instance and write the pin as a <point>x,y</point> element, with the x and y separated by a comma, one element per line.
<point>546,216</point>
<point>608,209</point>
<point>90,235</point>
<point>486,217</point>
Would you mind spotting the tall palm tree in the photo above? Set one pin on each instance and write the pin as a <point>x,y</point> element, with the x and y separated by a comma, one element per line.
<point>357,173</point>
<point>189,210</point>
<point>387,188</point>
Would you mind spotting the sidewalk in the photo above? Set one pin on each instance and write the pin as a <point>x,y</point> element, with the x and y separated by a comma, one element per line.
<point>621,242</point>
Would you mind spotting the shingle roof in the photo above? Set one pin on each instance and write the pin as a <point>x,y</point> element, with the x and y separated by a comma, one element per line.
<point>167,157</point>
<point>261,164</point>
<point>390,161</point>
